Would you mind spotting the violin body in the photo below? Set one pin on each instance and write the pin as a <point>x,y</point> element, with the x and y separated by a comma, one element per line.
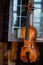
<point>29,46</point>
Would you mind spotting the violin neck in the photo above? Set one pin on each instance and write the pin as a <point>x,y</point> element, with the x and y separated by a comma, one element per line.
<point>27,26</point>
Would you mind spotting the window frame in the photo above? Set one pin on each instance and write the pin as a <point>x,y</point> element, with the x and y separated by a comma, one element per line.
<point>10,37</point>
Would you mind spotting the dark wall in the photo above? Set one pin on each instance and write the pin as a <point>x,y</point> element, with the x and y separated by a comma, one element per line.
<point>5,20</point>
<point>40,45</point>
<point>1,17</point>
<point>4,15</point>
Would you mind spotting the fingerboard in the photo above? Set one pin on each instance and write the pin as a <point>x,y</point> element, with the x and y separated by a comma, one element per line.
<point>27,24</point>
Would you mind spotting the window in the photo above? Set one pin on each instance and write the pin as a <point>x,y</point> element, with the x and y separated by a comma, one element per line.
<point>18,18</point>
<point>18,15</point>
<point>38,17</point>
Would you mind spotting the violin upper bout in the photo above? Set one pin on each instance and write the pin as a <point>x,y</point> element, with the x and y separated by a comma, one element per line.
<point>32,32</point>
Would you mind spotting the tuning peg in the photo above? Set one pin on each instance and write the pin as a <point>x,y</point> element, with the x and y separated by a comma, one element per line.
<point>32,8</point>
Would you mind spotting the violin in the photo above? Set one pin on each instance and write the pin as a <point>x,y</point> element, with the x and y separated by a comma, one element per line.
<point>29,51</point>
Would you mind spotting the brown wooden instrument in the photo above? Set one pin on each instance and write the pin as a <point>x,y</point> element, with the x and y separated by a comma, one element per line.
<point>29,51</point>
<point>13,52</point>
